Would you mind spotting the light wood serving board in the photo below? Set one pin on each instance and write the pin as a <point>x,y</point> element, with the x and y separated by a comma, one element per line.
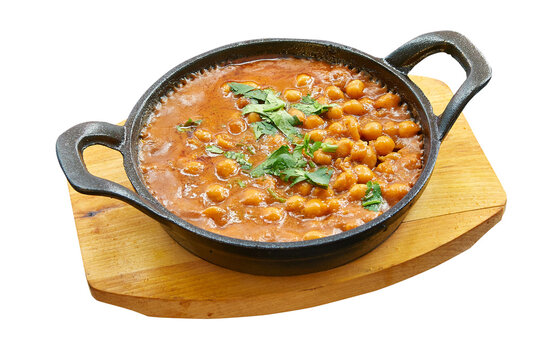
<point>131,262</point>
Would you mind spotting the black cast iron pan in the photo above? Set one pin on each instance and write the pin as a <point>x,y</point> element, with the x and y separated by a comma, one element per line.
<point>289,257</point>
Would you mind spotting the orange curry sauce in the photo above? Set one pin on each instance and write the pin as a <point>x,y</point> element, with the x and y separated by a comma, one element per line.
<point>372,133</point>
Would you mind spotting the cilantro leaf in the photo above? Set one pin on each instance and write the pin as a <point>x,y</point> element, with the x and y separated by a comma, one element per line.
<point>279,160</point>
<point>261,128</point>
<point>189,125</point>
<point>289,166</point>
<point>310,148</point>
<point>284,122</point>
<point>373,199</point>
<point>320,177</point>
<point>250,149</point>
<point>327,147</point>
<point>248,91</point>
<point>240,158</point>
<point>275,195</point>
<point>310,106</point>
<point>272,111</point>
<point>272,103</point>
<point>294,175</point>
<point>214,149</point>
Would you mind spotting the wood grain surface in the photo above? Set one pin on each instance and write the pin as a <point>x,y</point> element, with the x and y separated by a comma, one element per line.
<point>131,262</point>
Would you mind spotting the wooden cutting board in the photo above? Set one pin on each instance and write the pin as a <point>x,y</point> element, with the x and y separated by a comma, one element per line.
<point>131,262</point>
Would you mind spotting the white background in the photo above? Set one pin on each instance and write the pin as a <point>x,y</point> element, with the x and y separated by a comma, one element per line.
<point>63,63</point>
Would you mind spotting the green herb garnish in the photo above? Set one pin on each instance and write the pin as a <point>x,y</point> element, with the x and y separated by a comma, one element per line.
<point>241,183</point>
<point>240,158</point>
<point>275,195</point>
<point>261,128</point>
<point>373,199</point>
<point>309,147</point>
<point>327,147</point>
<point>320,177</point>
<point>279,160</point>
<point>274,116</point>
<point>214,149</point>
<point>249,148</point>
<point>247,91</point>
<point>310,106</point>
<point>189,125</point>
<point>285,122</point>
<point>289,166</point>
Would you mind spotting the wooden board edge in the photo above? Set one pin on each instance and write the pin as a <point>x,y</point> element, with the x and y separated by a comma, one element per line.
<point>275,303</point>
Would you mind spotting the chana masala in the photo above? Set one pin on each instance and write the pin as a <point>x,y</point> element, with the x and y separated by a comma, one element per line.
<point>280,149</point>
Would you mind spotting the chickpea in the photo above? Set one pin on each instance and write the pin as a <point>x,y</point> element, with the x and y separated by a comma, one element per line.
<point>311,235</point>
<point>363,173</point>
<point>295,203</point>
<point>330,141</point>
<point>272,214</point>
<point>300,115</point>
<point>322,158</point>
<point>317,135</point>
<point>387,101</point>
<point>335,112</point>
<point>395,192</point>
<point>202,135</point>
<point>391,156</point>
<point>313,121</point>
<point>225,88</point>
<point>322,193</point>
<point>344,181</point>
<point>369,215</point>
<point>357,192</point>
<point>370,160</point>
<point>357,107</point>
<point>225,142</point>
<point>252,197</point>
<point>353,107</point>
<point>303,188</point>
<point>390,128</point>
<point>352,126</point>
<point>217,214</point>
<point>408,129</point>
<point>237,126</point>
<point>384,145</point>
<point>292,95</point>
<point>193,168</point>
<point>358,151</point>
<point>386,167</point>
<point>355,89</point>
<point>303,80</point>
<point>336,129</point>
<point>334,93</point>
<point>217,193</point>
<point>226,168</point>
<point>323,100</point>
<point>367,103</point>
<point>372,130</point>
<point>351,225</point>
<point>411,162</point>
<point>242,102</point>
<point>253,117</point>
<point>314,208</point>
<point>344,147</point>
<point>332,205</point>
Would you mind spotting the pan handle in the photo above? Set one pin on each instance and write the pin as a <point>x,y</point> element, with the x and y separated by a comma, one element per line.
<point>69,150</point>
<point>466,54</point>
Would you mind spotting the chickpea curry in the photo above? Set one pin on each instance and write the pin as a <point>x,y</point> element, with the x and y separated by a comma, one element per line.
<point>280,149</point>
